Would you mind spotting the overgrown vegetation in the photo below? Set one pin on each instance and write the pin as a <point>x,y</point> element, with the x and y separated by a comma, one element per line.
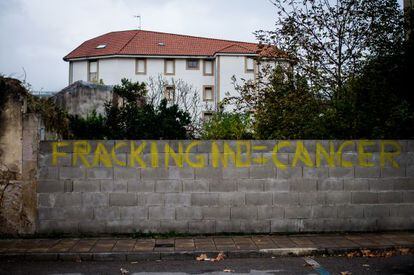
<point>225,125</point>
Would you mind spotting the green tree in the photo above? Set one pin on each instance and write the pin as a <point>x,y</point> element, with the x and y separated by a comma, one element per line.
<point>224,125</point>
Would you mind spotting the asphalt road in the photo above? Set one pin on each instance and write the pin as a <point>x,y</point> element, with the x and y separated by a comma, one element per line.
<point>280,265</point>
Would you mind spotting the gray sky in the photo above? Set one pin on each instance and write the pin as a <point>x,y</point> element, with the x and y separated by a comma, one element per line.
<point>36,34</point>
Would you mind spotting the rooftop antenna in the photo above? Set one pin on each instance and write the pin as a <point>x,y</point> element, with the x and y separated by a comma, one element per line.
<point>139,21</point>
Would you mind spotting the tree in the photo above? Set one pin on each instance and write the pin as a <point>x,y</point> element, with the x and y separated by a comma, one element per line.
<point>225,125</point>
<point>332,41</point>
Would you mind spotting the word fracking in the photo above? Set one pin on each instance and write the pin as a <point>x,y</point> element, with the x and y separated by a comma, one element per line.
<point>242,153</point>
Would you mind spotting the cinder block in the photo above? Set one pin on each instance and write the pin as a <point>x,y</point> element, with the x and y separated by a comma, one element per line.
<point>210,173</point>
<point>350,211</point>
<point>232,226</point>
<point>390,197</point>
<point>330,184</point>
<point>205,146</point>
<point>122,199</point>
<point>410,171</point>
<point>286,225</point>
<point>154,173</point>
<point>72,172</point>
<point>235,173</point>
<point>390,172</point>
<point>154,198</point>
<point>285,198</point>
<point>303,185</point>
<point>78,213</point>
<point>161,213</point>
<point>48,173</point>
<point>367,172</point>
<point>232,199</point>
<point>147,226</point>
<point>376,211</point>
<point>262,172</point>
<point>95,227</point>
<point>408,197</point>
<point>395,223</point>
<point>133,213</point>
<point>178,199</point>
<point>175,226</point>
<point>86,186</point>
<point>223,185</point>
<point>127,173</point>
<point>341,172</point>
<point>337,197</point>
<point>243,213</point>
<point>120,226</point>
<point>204,199</point>
<point>328,212</point>
<point>46,160</point>
<point>250,185</point>
<point>188,213</point>
<point>312,198</point>
<point>50,186</point>
<point>262,198</point>
<point>315,173</point>
<point>201,185</point>
<point>165,186</point>
<point>106,213</point>
<point>381,184</point>
<point>101,173</point>
<point>113,186</point>
<point>356,185</point>
<point>47,213</point>
<point>289,173</point>
<point>273,185</point>
<point>270,212</point>
<point>45,201</point>
<point>202,227</point>
<point>181,173</point>
<point>68,199</point>
<point>404,184</point>
<point>364,197</point>
<point>364,224</point>
<point>403,210</point>
<point>95,199</point>
<point>298,212</point>
<point>216,213</point>
<point>255,226</point>
<point>51,226</point>
<point>135,186</point>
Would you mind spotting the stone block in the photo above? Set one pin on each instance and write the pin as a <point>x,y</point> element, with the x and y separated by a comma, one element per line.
<point>356,185</point>
<point>243,213</point>
<point>127,173</point>
<point>376,211</point>
<point>326,212</point>
<point>337,197</point>
<point>312,198</point>
<point>289,173</point>
<point>255,226</point>
<point>330,184</point>
<point>232,199</point>
<point>133,213</point>
<point>350,211</point>
<point>181,199</point>
<point>303,185</point>
<point>86,186</point>
<point>68,199</point>
<point>101,173</point>
<point>188,213</point>
<point>95,199</point>
<point>135,186</point>
<point>204,199</point>
<point>364,197</point>
<point>274,185</point>
<point>250,185</point>
<point>262,198</point>
<point>298,212</point>
<point>168,186</point>
<point>122,199</point>
<point>223,185</point>
<point>270,212</point>
<point>262,172</point>
<point>161,213</point>
<point>72,172</point>
<point>106,213</point>
<point>216,213</point>
<point>202,227</point>
<point>390,197</point>
<point>50,186</point>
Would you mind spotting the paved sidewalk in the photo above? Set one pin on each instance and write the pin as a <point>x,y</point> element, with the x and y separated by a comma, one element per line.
<point>188,248</point>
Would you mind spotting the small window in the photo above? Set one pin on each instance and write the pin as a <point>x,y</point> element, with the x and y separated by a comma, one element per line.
<point>141,66</point>
<point>93,71</point>
<point>169,93</point>
<point>207,116</point>
<point>101,46</point>
<point>208,93</point>
<point>208,68</point>
<point>249,65</point>
<point>169,67</point>
<point>192,64</point>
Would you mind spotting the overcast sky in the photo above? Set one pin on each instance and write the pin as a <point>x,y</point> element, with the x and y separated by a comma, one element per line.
<point>36,34</point>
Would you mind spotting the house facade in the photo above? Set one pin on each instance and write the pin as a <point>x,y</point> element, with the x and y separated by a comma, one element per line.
<point>207,64</point>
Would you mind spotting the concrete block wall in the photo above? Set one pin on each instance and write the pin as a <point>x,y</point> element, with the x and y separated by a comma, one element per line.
<point>266,186</point>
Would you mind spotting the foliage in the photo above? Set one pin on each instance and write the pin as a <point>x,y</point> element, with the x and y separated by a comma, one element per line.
<point>225,125</point>
<point>130,116</point>
<point>333,40</point>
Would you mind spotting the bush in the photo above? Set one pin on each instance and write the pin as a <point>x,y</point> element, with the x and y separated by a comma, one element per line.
<point>227,126</point>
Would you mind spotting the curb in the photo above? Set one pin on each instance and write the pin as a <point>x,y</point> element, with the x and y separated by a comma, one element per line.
<point>190,255</point>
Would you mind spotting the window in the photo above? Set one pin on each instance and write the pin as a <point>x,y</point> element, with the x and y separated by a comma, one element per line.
<point>207,116</point>
<point>208,93</point>
<point>141,66</point>
<point>208,68</point>
<point>169,67</point>
<point>93,71</point>
<point>101,46</point>
<point>169,93</point>
<point>193,64</point>
<point>249,65</point>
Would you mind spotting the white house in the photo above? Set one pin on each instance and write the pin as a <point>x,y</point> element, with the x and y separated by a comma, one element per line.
<point>205,63</point>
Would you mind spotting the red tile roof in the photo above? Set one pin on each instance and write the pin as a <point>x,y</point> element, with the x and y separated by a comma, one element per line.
<point>139,42</point>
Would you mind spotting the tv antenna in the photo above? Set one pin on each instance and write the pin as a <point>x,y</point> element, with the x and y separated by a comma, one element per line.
<point>139,21</point>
